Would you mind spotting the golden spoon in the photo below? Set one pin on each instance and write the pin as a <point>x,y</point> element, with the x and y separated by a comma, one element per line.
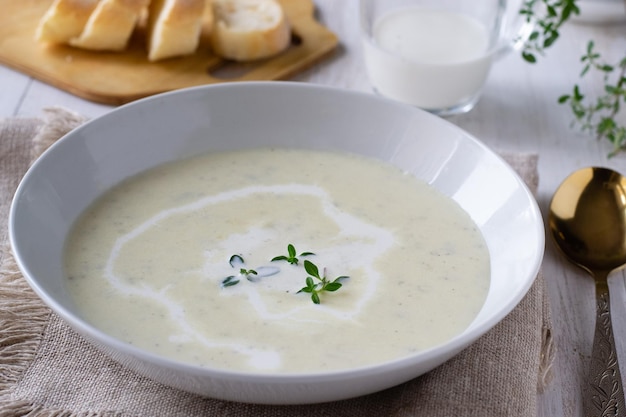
<point>588,223</point>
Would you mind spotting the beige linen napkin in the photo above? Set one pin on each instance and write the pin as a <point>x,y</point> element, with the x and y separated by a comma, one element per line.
<point>48,370</point>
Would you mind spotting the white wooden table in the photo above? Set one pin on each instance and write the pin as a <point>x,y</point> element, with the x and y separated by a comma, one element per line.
<point>518,112</point>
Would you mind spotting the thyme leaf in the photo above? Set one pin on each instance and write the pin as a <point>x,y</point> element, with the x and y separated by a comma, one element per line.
<point>236,260</point>
<point>230,281</point>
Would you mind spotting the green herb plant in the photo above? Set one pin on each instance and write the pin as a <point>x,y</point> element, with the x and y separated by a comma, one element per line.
<point>546,26</point>
<point>322,284</point>
<point>237,260</point>
<point>291,257</point>
<point>315,283</point>
<point>597,116</point>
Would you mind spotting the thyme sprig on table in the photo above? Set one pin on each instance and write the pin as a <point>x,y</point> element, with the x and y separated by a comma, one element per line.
<point>598,116</point>
<point>546,26</point>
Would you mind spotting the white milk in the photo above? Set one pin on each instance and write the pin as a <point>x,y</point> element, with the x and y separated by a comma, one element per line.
<point>433,59</point>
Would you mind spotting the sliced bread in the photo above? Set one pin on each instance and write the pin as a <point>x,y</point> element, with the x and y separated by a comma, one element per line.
<point>64,20</point>
<point>245,30</point>
<point>174,27</point>
<point>110,25</point>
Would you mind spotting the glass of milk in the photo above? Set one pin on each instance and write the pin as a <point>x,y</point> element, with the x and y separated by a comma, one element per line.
<point>436,54</point>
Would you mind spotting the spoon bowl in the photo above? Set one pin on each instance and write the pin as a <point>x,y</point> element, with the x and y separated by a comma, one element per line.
<point>587,221</point>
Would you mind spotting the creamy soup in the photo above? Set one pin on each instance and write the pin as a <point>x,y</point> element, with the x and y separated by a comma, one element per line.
<point>180,260</point>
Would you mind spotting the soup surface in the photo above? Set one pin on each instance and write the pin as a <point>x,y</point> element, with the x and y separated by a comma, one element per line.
<point>179,261</point>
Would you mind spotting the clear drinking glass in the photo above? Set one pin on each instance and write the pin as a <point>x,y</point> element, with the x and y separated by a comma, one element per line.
<point>437,54</point>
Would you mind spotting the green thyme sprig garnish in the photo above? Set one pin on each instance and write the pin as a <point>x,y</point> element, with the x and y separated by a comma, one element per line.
<point>291,255</point>
<point>315,283</point>
<point>323,284</point>
<point>312,287</point>
<point>237,261</point>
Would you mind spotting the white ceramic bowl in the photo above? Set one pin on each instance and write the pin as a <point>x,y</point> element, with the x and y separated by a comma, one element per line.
<point>132,138</point>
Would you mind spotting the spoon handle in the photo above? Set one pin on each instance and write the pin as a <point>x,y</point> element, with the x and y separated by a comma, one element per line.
<point>605,394</point>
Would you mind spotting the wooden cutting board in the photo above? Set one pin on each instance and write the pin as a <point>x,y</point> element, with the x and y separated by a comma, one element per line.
<point>120,77</point>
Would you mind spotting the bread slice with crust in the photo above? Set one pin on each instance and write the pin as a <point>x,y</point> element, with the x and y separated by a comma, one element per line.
<point>174,27</point>
<point>110,25</point>
<point>245,30</point>
<point>64,19</point>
